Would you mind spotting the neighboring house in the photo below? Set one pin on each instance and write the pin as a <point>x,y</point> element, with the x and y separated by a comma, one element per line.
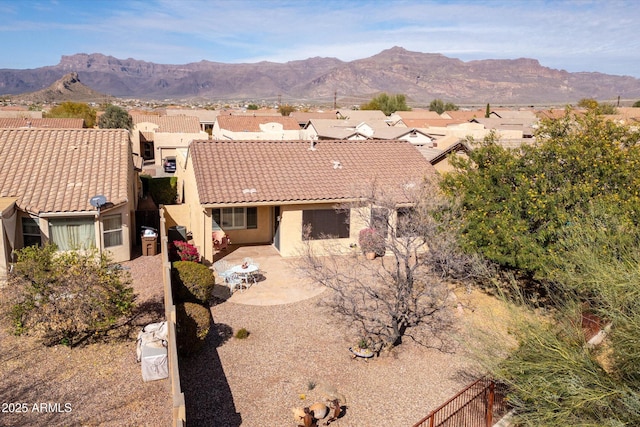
<point>361,115</point>
<point>261,192</point>
<point>259,128</point>
<point>52,123</point>
<point>439,158</point>
<point>157,137</point>
<point>207,118</point>
<point>330,129</point>
<point>303,117</point>
<point>54,175</point>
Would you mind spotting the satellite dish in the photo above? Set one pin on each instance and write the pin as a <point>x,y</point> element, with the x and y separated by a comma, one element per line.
<point>98,201</point>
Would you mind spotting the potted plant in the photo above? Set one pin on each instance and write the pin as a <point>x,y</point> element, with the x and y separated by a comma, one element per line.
<point>371,242</point>
<point>362,349</point>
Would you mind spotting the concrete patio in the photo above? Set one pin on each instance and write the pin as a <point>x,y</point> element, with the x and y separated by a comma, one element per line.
<point>279,283</point>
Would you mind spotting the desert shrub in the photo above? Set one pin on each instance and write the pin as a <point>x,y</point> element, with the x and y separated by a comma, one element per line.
<point>66,298</point>
<point>242,333</point>
<point>191,281</point>
<point>183,251</point>
<point>193,322</point>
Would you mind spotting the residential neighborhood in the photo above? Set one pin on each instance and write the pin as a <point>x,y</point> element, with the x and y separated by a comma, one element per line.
<point>248,188</point>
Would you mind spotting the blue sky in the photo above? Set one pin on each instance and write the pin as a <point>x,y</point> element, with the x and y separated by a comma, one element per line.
<point>575,36</point>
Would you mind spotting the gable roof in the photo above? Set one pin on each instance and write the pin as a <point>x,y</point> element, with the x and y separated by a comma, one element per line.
<point>59,170</point>
<point>361,115</point>
<point>252,123</point>
<point>294,172</point>
<point>169,124</point>
<point>56,123</point>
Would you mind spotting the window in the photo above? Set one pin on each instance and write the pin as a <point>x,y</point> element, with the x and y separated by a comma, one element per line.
<point>112,230</point>
<point>73,233</point>
<point>380,221</point>
<point>235,218</point>
<point>404,227</point>
<point>31,232</point>
<point>325,224</point>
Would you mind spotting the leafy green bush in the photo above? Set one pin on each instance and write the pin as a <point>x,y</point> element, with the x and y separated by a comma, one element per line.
<point>67,297</point>
<point>191,281</point>
<point>193,322</point>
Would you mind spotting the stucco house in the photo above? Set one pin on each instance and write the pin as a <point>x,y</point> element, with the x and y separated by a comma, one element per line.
<point>47,196</point>
<point>157,137</point>
<point>270,192</point>
<point>51,122</point>
<point>261,128</point>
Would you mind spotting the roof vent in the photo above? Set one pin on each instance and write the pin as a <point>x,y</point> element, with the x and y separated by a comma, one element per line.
<point>249,191</point>
<point>337,164</point>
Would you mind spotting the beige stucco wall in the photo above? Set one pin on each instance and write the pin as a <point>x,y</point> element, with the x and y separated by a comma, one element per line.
<point>165,144</point>
<point>291,231</point>
<point>444,166</point>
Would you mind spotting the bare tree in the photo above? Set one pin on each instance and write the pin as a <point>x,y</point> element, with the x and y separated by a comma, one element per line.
<point>405,293</point>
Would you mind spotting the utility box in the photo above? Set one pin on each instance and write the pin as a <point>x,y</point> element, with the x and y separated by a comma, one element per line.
<point>149,242</point>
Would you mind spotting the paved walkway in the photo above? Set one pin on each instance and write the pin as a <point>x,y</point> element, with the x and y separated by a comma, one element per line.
<point>280,283</point>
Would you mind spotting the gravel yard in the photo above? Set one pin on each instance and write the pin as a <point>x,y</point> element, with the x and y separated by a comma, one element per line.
<point>95,385</point>
<point>294,355</point>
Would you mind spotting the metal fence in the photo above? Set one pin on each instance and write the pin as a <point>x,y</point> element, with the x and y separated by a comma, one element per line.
<point>480,404</point>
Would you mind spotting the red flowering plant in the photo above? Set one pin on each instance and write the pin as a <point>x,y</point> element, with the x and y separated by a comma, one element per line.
<point>371,241</point>
<point>184,251</point>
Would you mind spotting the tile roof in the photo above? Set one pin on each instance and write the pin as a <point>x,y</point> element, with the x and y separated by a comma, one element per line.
<point>208,116</point>
<point>168,124</point>
<point>59,170</point>
<point>361,115</point>
<point>53,123</point>
<point>252,123</point>
<point>252,172</point>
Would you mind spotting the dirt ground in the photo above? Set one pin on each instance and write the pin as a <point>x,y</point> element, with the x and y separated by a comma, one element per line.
<point>95,385</point>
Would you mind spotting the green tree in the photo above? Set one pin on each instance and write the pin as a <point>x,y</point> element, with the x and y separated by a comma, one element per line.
<point>388,104</point>
<point>115,117</point>
<point>67,297</point>
<point>636,104</point>
<point>599,108</point>
<point>286,109</point>
<point>487,112</point>
<point>557,380</point>
<point>517,202</point>
<point>78,110</point>
<point>252,107</point>
<point>439,106</point>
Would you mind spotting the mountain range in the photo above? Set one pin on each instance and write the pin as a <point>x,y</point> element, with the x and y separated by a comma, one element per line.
<point>422,77</point>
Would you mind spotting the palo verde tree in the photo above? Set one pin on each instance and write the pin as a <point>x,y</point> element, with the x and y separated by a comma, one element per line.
<point>555,377</point>
<point>404,293</point>
<point>115,117</point>
<point>388,104</point>
<point>66,297</point>
<point>439,106</point>
<point>77,110</point>
<point>567,212</point>
<point>517,202</point>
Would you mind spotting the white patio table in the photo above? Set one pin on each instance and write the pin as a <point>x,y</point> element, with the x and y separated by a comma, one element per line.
<point>245,273</point>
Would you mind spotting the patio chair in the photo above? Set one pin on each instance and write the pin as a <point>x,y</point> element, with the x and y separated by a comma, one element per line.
<point>222,269</point>
<point>220,240</point>
<point>234,282</point>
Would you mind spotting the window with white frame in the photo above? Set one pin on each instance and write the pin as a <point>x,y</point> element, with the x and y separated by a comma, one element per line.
<point>235,218</point>
<point>112,230</point>
<point>31,232</point>
<point>73,233</point>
